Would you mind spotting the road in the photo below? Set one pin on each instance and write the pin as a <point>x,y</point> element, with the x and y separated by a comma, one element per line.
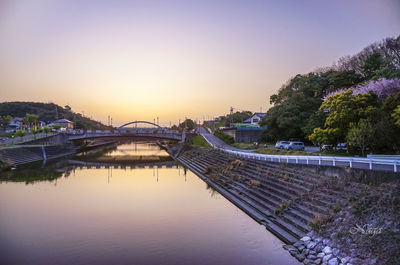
<point>214,140</point>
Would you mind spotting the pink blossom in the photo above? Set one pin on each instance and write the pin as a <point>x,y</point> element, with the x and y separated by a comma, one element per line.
<point>382,88</point>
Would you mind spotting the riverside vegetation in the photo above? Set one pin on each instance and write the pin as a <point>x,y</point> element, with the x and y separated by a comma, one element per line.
<point>357,101</point>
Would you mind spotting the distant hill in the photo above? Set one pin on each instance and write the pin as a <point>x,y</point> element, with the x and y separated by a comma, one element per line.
<point>48,112</point>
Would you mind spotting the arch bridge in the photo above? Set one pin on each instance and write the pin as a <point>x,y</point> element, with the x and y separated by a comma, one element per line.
<point>138,129</point>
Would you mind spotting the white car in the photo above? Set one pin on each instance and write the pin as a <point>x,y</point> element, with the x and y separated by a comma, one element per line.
<point>281,144</point>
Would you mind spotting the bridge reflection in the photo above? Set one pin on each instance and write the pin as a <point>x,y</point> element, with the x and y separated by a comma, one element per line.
<point>114,165</point>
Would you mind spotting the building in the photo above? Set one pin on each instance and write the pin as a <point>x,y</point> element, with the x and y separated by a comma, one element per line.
<point>244,133</point>
<point>64,123</point>
<point>15,125</point>
<point>256,118</point>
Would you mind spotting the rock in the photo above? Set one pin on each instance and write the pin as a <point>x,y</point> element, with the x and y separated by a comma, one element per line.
<point>301,248</point>
<point>311,233</point>
<point>318,239</point>
<point>300,257</point>
<point>321,255</point>
<point>326,258</point>
<point>318,247</point>
<point>306,251</point>
<point>312,252</point>
<point>345,260</point>
<point>327,250</point>
<point>317,261</point>
<point>298,244</point>
<point>335,251</point>
<point>305,239</point>
<point>372,261</point>
<point>333,261</point>
<point>311,244</point>
<point>325,241</point>
<point>308,261</point>
<point>289,247</point>
<point>294,252</point>
<point>312,257</point>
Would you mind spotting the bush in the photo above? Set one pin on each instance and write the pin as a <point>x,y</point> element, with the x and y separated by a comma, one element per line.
<point>224,137</point>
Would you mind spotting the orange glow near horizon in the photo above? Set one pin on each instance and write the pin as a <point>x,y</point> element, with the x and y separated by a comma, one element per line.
<point>143,60</point>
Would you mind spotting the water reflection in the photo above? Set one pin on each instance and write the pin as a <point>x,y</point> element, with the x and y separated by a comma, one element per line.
<point>127,214</point>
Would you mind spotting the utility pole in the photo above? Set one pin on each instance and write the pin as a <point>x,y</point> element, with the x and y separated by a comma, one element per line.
<point>231,115</point>
<point>56,113</point>
<point>158,122</point>
<point>111,121</point>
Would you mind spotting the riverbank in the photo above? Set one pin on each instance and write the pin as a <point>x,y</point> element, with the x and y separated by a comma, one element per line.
<point>302,204</point>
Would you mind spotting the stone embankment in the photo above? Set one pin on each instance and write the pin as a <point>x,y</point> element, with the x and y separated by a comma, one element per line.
<point>313,249</point>
<point>291,201</point>
<point>19,155</point>
<point>286,198</point>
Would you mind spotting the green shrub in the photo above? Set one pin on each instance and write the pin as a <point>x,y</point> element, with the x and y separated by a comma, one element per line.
<point>224,137</point>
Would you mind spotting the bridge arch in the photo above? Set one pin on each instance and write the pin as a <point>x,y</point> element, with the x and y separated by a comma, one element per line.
<point>136,122</point>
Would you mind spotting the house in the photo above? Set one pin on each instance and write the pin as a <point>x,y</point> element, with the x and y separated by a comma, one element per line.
<point>244,133</point>
<point>64,123</point>
<point>256,118</point>
<point>15,125</point>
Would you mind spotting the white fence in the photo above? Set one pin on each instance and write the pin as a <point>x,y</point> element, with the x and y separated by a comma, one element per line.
<point>368,163</point>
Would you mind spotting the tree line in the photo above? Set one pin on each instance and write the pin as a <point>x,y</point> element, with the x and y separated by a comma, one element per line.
<point>357,101</point>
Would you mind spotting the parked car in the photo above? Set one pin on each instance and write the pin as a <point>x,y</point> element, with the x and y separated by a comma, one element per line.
<point>342,146</point>
<point>327,147</point>
<point>297,146</point>
<point>281,144</point>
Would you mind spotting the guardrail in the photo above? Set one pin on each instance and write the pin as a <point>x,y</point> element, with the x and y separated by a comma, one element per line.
<point>370,163</point>
<point>168,135</point>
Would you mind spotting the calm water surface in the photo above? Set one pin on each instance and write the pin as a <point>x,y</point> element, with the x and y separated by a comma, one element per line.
<point>150,215</point>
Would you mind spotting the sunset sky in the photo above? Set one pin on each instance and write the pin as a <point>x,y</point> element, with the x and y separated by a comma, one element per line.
<point>142,59</point>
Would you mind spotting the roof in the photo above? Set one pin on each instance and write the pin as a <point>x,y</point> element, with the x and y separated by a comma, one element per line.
<point>246,125</point>
<point>248,120</point>
<point>260,114</point>
<point>62,121</point>
<point>250,129</point>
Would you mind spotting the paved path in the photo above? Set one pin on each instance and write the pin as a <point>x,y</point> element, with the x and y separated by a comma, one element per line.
<point>215,141</point>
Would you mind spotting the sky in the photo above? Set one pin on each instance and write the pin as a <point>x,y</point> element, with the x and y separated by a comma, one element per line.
<point>138,60</point>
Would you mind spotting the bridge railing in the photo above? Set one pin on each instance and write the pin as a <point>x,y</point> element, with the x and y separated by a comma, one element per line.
<point>370,163</point>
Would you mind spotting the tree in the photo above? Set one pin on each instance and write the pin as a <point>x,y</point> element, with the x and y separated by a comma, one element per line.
<point>345,108</point>
<point>31,120</point>
<point>189,123</point>
<point>396,116</point>
<point>46,130</point>
<point>20,133</point>
<point>237,117</point>
<point>360,135</point>
<point>373,63</point>
<point>5,121</point>
<point>56,127</point>
<point>325,136</point>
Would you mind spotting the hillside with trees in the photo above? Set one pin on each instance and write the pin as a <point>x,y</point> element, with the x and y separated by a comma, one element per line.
<point>48,112</point>
<point>356,101</point>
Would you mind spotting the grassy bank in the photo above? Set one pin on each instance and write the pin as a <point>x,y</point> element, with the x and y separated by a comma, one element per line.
<point>273,151</point>
<point>199,141</point>
<point>245,146</point>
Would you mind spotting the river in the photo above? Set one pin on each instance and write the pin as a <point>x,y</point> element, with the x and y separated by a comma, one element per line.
<point>142,213</point>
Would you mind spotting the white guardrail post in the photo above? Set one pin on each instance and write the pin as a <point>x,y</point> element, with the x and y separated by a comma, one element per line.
<point>395,165</point>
